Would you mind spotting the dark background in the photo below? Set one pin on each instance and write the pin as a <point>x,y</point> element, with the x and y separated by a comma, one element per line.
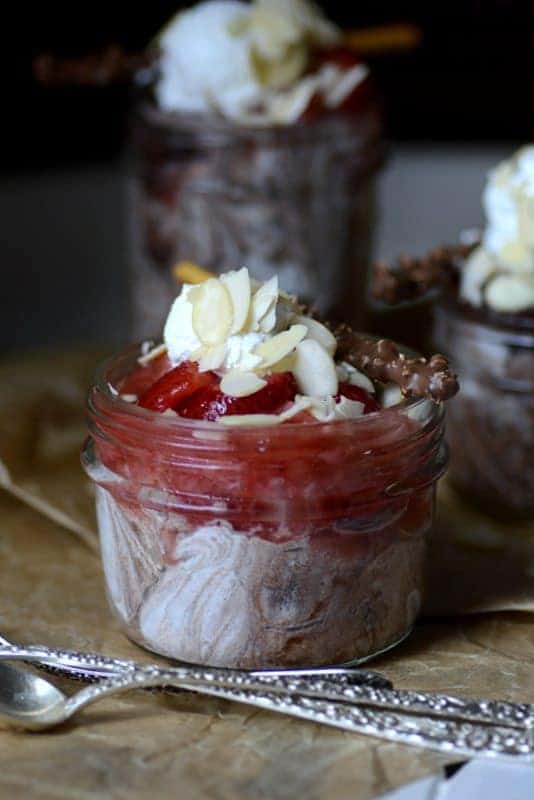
<point>456,105</point>
<point>471,78</point>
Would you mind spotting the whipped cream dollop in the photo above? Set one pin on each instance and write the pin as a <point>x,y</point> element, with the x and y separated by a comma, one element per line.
<point>247,61</point>
<point>244,330</point>
<point>500,272</point>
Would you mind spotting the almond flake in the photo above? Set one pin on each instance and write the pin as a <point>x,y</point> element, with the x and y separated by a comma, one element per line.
<point>273,350</point>
<point>319,332</point>
<point>314,369</point>
<point>285,364</point>
<point>323,410</point>
<point>241,384</point>
<point>349,409</point>
<point>301,403</point>
<point>238,285</point>
<point>262,303</point>
<point>154,353</point>
<point>391,395</point>
<point>246,420</point>
<point>211,358</point>
<point>212,311</point>
<point>347,373</point>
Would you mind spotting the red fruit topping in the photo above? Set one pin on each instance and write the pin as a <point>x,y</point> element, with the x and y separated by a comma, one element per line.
<point>176,386</point>
<point>359,394</point>
<point>210,403</point>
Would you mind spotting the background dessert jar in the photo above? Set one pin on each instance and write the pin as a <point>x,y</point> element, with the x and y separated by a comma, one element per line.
<point>490,424</point>
<point>487,326</point>
<point>298,544</point>
<point>253,156</point>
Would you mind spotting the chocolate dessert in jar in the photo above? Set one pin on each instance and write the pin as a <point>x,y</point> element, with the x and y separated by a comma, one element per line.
<point>255,142</point>
<point>265,488</point>
<point>482,297</point>
<point>487,326</point>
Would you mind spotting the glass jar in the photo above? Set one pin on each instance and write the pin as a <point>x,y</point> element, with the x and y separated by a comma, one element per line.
<point>490,424</point>
<point>299,544</point>
<point>297,201</point>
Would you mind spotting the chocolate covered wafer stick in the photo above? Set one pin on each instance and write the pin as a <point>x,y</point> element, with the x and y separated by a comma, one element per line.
<point>382,361</point>
<point>410,278</point>
<point>112,65</point>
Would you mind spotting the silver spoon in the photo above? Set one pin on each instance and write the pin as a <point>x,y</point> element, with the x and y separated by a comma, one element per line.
<point>94,666</point>
<point>30,702</point>
<point>356,687</point>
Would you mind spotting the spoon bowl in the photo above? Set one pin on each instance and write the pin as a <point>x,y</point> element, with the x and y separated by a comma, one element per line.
<point>26,699</point>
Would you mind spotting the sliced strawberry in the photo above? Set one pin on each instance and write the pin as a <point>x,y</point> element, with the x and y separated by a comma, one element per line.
<point>176,386</point>
<point>359,394</point>
<point>210,402</point>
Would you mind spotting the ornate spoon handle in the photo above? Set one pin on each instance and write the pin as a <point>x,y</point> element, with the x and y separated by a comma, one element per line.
<point>92,666</point>
<point>465,739</point>
<point>351,687</point>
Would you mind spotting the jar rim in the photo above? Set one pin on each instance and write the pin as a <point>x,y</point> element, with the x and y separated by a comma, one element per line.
<point>507,328</point>
<point>413,408</point>
<point>213,129</point>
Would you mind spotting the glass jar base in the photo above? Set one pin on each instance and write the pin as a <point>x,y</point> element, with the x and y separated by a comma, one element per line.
<point>354,662</point>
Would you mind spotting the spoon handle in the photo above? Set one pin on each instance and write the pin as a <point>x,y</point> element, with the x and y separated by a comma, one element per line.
<point>353,687</point>
<point>454,738</point>
<point>93,666</point>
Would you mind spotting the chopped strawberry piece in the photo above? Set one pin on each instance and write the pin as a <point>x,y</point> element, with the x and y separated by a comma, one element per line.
<point>359,394</point>
<point>210,402</point>
<point>176,386</point>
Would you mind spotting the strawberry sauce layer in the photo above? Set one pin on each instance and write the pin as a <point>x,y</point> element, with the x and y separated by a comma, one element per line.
<point>280,481</point>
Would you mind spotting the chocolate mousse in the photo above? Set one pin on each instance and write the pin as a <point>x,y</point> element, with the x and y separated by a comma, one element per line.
<point>484,320</point>
<point>265,488</point>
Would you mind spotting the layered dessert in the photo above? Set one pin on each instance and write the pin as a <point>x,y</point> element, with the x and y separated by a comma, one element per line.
<point>255,139</point>
<point>484,319</point>
<point>265,486</point>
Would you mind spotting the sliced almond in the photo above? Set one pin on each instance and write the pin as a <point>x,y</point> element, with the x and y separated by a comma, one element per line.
<point>154,353</point>
<point>249,361</point>
<point>212,311</point>
<point>323,410</point>
<point>346,372</point>
<point>246,420</point>
<point>262,302</point>
<point>319,332</point>
<point>285,364</point>
<point>273,350</point>
<point>238,285</point>
<point>211,358</point>
<point>241,384</point>
<point>301,403</point>
<point>314,369</point>
<point>349,409</point>
<point>391,395</point>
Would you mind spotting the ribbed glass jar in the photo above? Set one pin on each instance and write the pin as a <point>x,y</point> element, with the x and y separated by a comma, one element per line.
<point>490,424</point>
<point>299,544</point>
<point>293,200</point>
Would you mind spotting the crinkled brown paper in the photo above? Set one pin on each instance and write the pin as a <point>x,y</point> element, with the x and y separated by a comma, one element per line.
<point>156,746</point>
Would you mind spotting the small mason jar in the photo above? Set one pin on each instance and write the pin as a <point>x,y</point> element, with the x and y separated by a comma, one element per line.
<point>490,424</point>
<point>299,544</point>
<point>294,200</point>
